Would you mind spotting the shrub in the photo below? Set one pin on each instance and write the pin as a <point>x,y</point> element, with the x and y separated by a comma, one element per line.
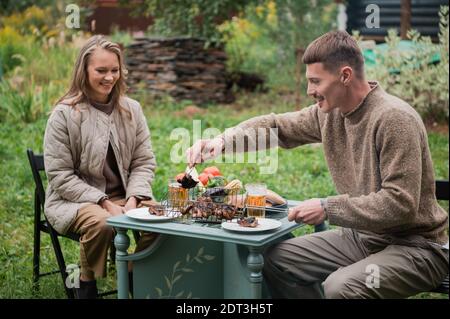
<point>16,106</point>
<point>197,18</point>
<point>410,75</point>
<point>266,38</point>
<point>26,103</point>
<point>45,64</point>
<point>29,31</point>
<point>29,90</point>
<point>238,34</point>
<point>33,21</point>
<point>12,48</point>
<point>123,38</point>
<point>7,7</point>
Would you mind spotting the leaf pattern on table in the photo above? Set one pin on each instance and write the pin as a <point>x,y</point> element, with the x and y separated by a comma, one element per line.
<point>179,269</point>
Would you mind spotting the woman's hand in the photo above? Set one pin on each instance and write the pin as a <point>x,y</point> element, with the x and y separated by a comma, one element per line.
<point>131,203</point>
<point>113,209</point>
<point>309,212</point>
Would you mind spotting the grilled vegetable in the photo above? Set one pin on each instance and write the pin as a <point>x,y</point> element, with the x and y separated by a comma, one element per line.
<point>216,181</point>
<point>234,184</point>
<point>212,170</point>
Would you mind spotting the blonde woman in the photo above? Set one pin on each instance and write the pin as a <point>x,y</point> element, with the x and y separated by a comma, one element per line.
<point>98,157</point>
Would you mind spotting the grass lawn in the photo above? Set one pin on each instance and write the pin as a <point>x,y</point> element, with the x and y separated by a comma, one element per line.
<point>302,173</point>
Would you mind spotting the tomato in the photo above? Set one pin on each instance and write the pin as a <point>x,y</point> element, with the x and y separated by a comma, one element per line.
<point>179,177</point>
<point>212,170</point>
<point>203,177</point>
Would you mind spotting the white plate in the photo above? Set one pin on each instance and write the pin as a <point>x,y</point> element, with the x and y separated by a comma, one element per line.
<point>143,214</point>
<point>264,224</point>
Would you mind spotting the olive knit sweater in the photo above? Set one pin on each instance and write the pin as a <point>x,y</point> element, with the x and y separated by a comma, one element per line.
<point>379,160</point>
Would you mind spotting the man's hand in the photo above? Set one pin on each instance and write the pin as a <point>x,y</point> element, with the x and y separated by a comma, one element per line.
<point>131,203</point>
<point>204,150</point>
<point>308,212</point>
<point>113,209</point>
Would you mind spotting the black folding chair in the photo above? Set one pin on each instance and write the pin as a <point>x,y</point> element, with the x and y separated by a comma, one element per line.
<point>442,193</point>
<point>42,225</point>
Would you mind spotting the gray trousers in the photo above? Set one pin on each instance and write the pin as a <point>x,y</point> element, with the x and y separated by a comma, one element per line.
<point>343,263</point>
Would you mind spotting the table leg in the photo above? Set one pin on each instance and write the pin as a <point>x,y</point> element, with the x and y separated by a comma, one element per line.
<point>122,242</point>
<point>255,263</point>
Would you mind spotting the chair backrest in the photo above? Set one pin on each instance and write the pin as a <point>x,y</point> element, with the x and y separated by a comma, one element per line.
<point>37,165</point>
<point>442,190</point>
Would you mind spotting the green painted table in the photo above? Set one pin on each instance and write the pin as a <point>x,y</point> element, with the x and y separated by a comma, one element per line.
<point>195,260</point>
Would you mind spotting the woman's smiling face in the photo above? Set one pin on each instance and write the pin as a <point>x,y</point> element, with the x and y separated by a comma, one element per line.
<point>103,72</point>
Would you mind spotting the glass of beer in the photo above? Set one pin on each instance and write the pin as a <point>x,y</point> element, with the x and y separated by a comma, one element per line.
<point>256,200</point>
<point>177,195</point>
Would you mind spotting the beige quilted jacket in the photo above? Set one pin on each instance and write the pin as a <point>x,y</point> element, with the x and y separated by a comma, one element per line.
<point>75,146</point>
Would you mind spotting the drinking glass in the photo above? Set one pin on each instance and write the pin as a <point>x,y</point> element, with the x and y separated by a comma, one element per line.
<point>177,195</point>
<point>256,200</point>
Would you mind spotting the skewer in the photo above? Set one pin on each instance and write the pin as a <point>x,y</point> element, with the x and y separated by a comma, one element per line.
<point>276,209</point>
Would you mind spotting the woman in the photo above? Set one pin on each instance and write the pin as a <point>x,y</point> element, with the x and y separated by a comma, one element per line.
<point>98,157</point>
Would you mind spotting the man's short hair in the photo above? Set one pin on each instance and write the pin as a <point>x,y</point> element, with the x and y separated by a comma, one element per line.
<point>335,49</point>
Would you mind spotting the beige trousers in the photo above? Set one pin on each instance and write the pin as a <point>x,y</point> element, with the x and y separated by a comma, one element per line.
<point>344,263</point>
<point>96,238</point>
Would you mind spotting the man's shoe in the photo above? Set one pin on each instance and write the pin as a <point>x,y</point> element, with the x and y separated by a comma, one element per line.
<point>87,290</point>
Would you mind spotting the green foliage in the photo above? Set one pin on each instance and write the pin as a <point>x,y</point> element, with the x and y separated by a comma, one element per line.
<point>265,39</point>
<point>300,22</point>
<point>8,7</point>
<point>248,43</point>
<point>16,106</point>
<point>28,92</point>
<point>238,34</point>
<point>25,34</point>
<point>410,76</point>
<point>28,104</point>
<point>12,48</point>
<point>40,22</point>
<point>122,37</point>
<point>30,21</point>
<point>197,18</point>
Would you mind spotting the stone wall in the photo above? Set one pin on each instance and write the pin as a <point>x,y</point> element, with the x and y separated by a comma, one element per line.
<point>181,67</point>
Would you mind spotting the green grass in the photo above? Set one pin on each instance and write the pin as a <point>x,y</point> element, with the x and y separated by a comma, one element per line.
<point>302,174</point>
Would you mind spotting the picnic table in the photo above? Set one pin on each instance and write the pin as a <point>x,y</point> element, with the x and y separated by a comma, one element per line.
<point>197,260</point>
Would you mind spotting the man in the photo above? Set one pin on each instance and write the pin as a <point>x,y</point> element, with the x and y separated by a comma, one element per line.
<point>390,243</point>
